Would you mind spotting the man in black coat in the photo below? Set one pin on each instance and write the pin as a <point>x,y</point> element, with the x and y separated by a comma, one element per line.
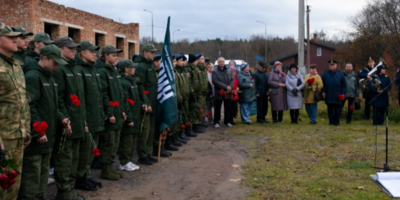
<point>261,82</point>
<point>334,91</point>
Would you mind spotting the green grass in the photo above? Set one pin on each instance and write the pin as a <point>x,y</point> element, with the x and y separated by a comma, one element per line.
<point>289,161</point>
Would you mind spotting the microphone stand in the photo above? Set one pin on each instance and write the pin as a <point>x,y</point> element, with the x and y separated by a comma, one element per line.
<point>385,167</point>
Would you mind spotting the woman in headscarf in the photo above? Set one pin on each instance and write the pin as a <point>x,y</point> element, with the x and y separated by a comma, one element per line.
<point>248,95</point>
<point>277,92</point>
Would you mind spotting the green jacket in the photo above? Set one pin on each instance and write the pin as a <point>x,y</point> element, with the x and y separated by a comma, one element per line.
<point>70,82</point>
<point>20,55</point>
<point>194,79</point>
<point>14,107</point>
<point>41,90</point>
<point>93,96</point>
<point>183,87</point>
<point>30,57</point>
<point>203,79</point>
<point>111,91</point>
<point>131,92</point>
<point>146,79</point>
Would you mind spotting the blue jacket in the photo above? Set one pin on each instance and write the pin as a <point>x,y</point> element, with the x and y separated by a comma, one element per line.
<point>363,74</point>
<point>383,99</point>
<point>334,84</point>
<point>248,94</point>
<point>398,83</point>
<point>261,81</point>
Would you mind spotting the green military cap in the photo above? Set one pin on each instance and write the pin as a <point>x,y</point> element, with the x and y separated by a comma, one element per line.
<point>42,37</point>
<point>53,52</point>
<point>7,31</point>
<point>86,45</point>
<point>110,49</point>
<point>126,63</point>
<point>149,47</point>
<point>65,42</point>
<point>22,30</point>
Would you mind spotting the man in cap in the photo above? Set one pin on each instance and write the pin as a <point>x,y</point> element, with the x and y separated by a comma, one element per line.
<point>334,91</point>
<point>71,102</point>
<point>85,60</point>
<point>41,89</point>
<point>39,41</point>
<point>261,82</point>
<point>131,128</point>
<point>367,95</point>
<point>114,109</point>
<point>22,43</point>
<point>380,94</point>
<point>146,79</point>
<point>14,107</point>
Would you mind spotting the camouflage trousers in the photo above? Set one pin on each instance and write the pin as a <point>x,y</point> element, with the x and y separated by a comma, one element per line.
<point>109,143</point>
<point>197,109</point>
<point>127,146</point>
<point>146,137</point>
<point>88,173</point>
<point>85,153</point>
<point>35,174</point>
<point>14,149</point>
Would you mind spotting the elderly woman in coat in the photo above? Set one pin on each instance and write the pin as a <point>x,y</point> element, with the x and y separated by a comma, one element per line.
<point>294,84</point>
<point>248,95</point>
<point>277,92</point>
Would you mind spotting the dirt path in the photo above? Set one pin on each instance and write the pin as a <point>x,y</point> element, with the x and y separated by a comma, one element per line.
<point>202,169</point>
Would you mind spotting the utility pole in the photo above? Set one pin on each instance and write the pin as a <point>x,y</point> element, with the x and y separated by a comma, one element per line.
<point>308,38</point>
<point>301,36</point>
<point>265,39</point>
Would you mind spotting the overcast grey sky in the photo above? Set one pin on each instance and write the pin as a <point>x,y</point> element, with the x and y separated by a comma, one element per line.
<point>226,19</point>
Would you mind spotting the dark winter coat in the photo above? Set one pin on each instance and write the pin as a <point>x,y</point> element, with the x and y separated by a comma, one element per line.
<point>248,94</point>
<point>261,81</point>
<point>131,92</point>
<point>146,79</point>
<point>381,100</point>
<point>334,85</point>
<point>221,80</point>
<point>277,94</point>
<point>352,84</point>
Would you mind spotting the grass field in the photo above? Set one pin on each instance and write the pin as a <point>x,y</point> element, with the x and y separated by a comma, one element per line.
<point>302,161</point>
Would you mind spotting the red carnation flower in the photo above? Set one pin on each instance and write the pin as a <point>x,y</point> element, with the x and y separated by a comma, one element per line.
<point>283,74</point>
<point>188,123</point>
<point>11,182</point>
<point>76,102</point>
<point>310,81</point>
<point>202,111</point>
<point>162,139</point>
<point>251,79</point>
<point>73,97</point>
<point>306,101</point>
<point>12,175</point>
<point>221,92</point>
<point>341,97</point>
<point>351,108</point>
<point>163,133</point>
<point>3,179</point>
<point>203,116</point>
<point>130,101</point>
<point>112,104</point>
<point>37,126</point>
<point>183,127</point>
<point>145,92</point>
<point>169,130</point>
<point>96,152</point>
<point>116,104</point>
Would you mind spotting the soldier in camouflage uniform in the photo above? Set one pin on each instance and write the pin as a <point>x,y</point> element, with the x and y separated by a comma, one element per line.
<point>22,44</point>
<point>14,107</point>
<point>39,41</point>
<point>195,93</point>
<point>41,90</point>
<point>203,88</point>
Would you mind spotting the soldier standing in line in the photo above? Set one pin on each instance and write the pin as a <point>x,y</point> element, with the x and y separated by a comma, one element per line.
<point>22,43</point>
<point>39,41</point>
<point>203,80</point>
<point>130,130</point>
<point>195,89</point>
<point>114,109</point>
<point>146,78</point>
<point>14,107</point>
<point>41,89</point>
<point>72,105</point>
<point>85,60</point>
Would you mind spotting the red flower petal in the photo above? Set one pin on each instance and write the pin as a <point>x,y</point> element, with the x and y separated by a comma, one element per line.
<point>116,103</point>
<point>37,126</point>
<point>112,104</point>
<point>76,102</point>
<point>145,92</point>
<point>183,127</point>
<point>73,97</point>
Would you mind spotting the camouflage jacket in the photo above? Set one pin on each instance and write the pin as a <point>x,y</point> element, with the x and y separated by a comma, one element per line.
<point>203,78</point>
<point>14,107</point>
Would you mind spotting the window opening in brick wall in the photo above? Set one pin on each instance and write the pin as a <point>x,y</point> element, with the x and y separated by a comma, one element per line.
<point>120,45</point>
<point>75,34</point>
<point>53,30</point>
<point>100,40</point>
<point>131,49</point>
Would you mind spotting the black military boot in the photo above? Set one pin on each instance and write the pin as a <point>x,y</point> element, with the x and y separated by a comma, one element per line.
<point>163,153</point>
<point>177,138</point>
<point>189,132</point>
<point>197,128</point>
<point>169,146</point>
<point>183,136</point>
<point>175,141</point>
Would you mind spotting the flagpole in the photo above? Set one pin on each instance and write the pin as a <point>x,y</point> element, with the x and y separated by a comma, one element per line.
<point>159,149</point>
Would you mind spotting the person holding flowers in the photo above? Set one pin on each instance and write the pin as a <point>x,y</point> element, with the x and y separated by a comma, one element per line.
<point>334,91</point>
<point>313,84</point>
<point>248,92</point>
<point>114,109</point>
<point>72,105</point>
<point>130,130</point>
<point>41,89</point>
<point>277,92</point>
